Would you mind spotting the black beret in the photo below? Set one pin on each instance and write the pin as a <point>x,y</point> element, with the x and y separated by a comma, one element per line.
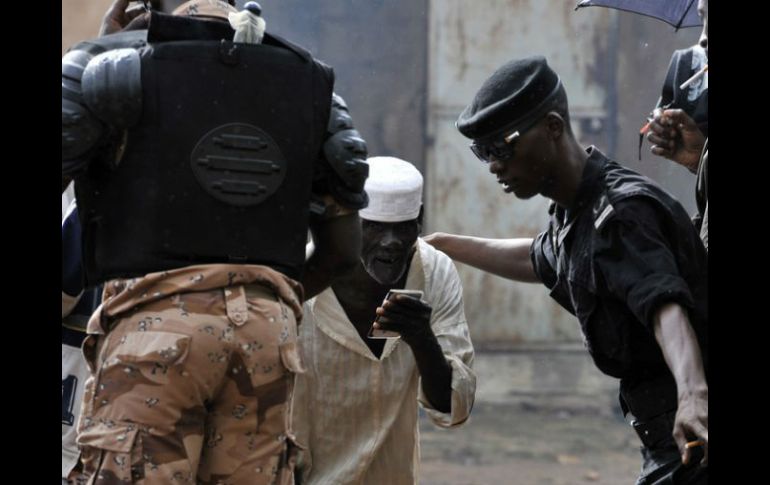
<point>516,96</point>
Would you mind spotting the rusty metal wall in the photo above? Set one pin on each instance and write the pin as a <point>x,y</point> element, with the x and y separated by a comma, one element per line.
<point>612,66</point>
<point>378,49</point>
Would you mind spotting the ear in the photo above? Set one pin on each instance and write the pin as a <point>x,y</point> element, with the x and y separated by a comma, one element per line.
<point>554,125</point>
<point>419,219</point>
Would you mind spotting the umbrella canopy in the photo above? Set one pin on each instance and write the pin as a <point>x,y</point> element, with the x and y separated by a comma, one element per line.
<point>679,13</point>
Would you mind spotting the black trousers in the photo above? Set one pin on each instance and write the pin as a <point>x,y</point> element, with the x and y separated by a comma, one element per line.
<point>662,465</point>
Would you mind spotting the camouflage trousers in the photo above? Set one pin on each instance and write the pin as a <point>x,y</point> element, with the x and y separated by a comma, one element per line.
<point>192,378</point>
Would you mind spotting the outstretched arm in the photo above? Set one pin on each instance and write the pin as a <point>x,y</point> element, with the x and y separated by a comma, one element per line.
<point>508,258</point>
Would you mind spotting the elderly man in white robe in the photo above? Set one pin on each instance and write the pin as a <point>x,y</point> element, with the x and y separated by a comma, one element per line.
<point>356,406</point>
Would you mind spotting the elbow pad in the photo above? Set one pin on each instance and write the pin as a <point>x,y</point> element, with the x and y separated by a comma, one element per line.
<point>345,150</point>
<point>80,129</point>
<point>99,92</point>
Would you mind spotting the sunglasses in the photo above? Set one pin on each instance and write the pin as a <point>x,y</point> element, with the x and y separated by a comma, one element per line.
<point>497,150</point>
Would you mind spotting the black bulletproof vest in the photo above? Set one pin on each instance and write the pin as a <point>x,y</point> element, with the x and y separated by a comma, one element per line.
<point>219,167</point>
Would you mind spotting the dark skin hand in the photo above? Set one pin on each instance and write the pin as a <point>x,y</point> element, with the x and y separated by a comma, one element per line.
<point>675,136</point>
<point>406,315</point>
<point>410,317</point>
<point>120,17</point>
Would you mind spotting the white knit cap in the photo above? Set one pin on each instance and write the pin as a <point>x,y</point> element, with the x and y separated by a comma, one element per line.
<point>395,190</point>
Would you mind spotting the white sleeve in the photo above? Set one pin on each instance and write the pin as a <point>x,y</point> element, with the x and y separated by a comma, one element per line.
<point>451,329</point>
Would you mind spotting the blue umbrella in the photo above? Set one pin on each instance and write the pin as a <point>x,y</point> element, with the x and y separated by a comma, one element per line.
<point>679,13</point>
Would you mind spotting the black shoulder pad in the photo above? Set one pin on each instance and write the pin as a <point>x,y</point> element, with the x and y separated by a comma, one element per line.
<point>345,149</point>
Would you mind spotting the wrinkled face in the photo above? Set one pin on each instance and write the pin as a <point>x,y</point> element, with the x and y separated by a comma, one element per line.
<point>525,172</point>
<point>703,11</point>
<point>387,248</point>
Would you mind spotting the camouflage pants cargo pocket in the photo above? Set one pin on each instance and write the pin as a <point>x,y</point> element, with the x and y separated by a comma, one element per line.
<point>113,453</point>
<point>123,438</point>
<point>291,360</point>
<point>124,453</point>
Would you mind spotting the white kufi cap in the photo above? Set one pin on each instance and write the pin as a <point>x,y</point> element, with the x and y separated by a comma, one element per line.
<point>395,190</point>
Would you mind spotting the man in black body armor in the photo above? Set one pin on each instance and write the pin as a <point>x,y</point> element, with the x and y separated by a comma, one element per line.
<point>200,163</point>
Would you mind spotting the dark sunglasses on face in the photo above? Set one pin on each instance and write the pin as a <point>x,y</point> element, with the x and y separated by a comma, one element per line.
<point>497,150</point>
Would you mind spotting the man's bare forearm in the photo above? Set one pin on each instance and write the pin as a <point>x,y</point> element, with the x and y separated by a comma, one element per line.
<point>435,374</point>
<point>680,348</point>
<point>337,250</point>
<point>508,258</point>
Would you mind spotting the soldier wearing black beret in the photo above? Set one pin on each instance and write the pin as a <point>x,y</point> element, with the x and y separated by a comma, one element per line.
<point>618,252</point>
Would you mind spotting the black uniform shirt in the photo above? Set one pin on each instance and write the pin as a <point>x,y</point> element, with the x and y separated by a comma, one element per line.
<point>624,249</point>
